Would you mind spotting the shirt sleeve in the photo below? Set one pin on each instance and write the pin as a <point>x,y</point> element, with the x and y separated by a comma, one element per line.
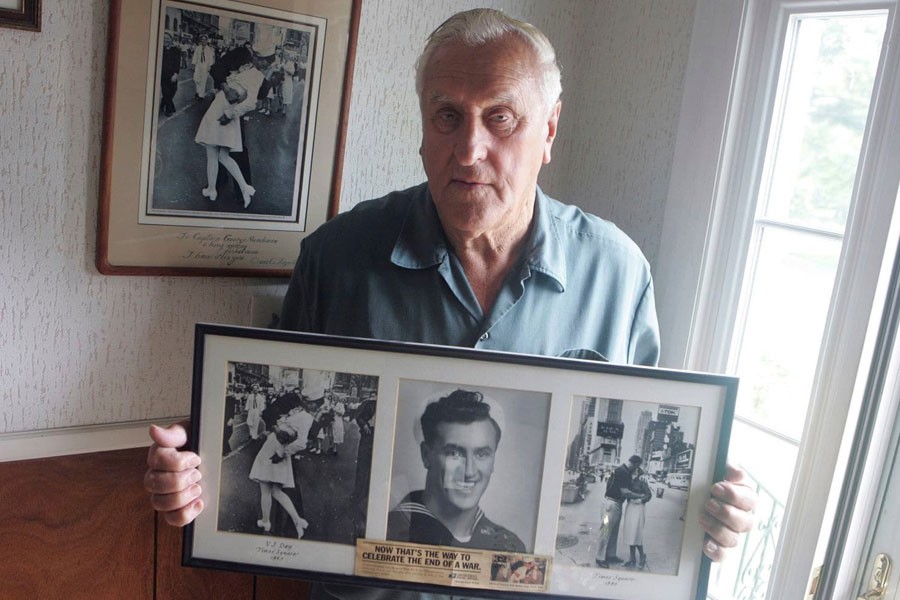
<point>251,83</point>
<point>295,307</point>
<point>643,346</point>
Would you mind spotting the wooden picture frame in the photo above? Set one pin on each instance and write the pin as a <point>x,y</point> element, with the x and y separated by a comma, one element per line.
<point>25,15</point>
<point>354,513</point>
<point>224,130</point>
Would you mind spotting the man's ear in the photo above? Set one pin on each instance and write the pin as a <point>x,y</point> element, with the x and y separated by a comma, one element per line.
<point>423,451</point>
<point>552,124</point>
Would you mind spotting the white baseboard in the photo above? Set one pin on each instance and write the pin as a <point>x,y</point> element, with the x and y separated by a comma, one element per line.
<point>27,445</point>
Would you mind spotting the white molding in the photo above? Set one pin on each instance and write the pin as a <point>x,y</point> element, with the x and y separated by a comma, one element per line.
<point>28,445</point>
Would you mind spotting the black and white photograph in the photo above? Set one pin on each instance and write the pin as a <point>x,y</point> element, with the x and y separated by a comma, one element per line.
<point>296,452</point>
<point>233,112</point>
<point>467,466</point>
<point>625,491</point>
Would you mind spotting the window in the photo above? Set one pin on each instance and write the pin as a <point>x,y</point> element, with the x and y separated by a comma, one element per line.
<point>790,265</point>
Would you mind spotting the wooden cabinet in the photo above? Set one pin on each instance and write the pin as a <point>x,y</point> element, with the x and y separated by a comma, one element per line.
<point>82,527</point>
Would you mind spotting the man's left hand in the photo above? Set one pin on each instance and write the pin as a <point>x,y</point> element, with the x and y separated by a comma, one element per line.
<point>728,513</point>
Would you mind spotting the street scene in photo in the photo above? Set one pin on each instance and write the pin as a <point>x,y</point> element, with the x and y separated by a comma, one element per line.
<point>230,116</point>
<point>296,452</point>
<point>626,485</point>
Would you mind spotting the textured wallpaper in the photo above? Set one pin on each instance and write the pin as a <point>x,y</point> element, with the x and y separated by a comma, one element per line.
<point>77,347</point>
<point>80,348</point>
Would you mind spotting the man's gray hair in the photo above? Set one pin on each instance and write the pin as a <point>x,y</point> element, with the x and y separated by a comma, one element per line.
<point>481,26</point>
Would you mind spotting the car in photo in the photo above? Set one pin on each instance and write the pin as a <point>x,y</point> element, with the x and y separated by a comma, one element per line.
<point>679,481</point>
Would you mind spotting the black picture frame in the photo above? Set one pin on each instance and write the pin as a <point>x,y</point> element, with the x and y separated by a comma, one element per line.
<point>546,409</point>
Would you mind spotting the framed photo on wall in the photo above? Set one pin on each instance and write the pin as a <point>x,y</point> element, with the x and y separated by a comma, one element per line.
<point>21,14</point>
<point>224,129</point>
<point>439,469</point>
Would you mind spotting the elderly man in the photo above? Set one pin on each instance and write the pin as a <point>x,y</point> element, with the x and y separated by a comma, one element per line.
<point>479,256</point>
<point>460,440</point>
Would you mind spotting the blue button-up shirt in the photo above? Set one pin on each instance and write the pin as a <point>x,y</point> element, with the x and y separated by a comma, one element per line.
<point>385,270</point>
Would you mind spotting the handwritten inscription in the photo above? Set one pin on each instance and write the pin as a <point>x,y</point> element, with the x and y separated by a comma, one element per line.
<point>243,250</point>
<point>611,579</point>
<point>277,551</point>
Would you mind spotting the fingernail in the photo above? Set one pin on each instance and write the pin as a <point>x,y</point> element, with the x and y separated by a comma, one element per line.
<point>195,477</point>
<point>194,462</point>
<point>710,548</point>
<point>195,490</point>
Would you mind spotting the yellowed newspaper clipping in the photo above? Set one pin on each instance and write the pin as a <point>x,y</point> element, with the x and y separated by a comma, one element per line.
<point>454,567</point>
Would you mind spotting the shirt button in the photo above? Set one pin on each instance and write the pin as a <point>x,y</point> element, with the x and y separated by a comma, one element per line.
<point>484,336</point>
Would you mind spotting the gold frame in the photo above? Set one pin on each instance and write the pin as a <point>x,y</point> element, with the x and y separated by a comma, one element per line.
<point>127,247</point>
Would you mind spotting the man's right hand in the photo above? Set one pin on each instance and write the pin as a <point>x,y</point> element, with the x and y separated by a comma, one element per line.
<point>173,479</point>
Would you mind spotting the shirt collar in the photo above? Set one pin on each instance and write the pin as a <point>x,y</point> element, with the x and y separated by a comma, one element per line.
<point>421,243</point>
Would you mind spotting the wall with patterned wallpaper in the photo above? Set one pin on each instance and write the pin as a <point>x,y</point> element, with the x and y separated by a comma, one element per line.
<point>79,348</point>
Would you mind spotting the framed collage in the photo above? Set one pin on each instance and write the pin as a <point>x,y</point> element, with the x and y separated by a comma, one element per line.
<point>434,468</point>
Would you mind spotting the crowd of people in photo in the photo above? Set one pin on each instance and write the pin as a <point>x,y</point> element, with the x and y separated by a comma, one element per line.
<point>240,80</point>
<point>282,71</point>
<point>295,423</point>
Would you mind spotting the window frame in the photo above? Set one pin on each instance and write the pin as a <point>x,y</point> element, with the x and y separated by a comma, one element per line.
<point>732,69</point>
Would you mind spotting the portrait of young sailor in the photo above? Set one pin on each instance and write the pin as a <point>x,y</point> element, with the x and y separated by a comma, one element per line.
<point>468,445</point>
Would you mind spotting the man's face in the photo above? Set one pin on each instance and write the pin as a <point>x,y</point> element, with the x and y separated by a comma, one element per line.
<point>486,132</point>
<point>459,461</point>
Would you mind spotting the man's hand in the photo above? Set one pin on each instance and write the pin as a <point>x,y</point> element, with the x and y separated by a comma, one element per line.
<point>172,479</point>
<point>728,513</point>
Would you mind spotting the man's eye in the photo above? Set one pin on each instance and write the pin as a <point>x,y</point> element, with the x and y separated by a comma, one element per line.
<point>446,120</point>
<point>484,454</point>
<point>503,122</point>
<point>453,452</point>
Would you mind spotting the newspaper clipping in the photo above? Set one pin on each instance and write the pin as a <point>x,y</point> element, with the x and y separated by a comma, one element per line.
<point>450,566</point>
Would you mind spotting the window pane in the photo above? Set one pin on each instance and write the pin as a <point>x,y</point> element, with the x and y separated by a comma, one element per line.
<point>789,297</point>
<point>746,573</point>
<point>831,70</point>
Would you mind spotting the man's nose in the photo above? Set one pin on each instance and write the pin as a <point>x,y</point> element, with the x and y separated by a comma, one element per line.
<point>471,469</point>
<point>471,142</point>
